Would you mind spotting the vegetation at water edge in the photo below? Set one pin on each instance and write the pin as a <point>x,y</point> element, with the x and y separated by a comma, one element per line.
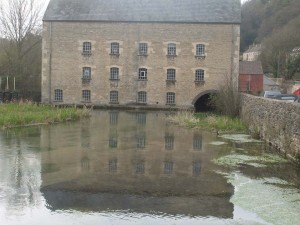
<point>210,121</point>
<point>21,114</point>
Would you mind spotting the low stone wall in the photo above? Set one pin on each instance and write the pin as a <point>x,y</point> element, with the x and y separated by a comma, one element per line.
<point>275,121</point>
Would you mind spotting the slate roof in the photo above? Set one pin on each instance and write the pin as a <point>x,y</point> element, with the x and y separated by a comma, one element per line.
<point>251,68</point>
<point>180,11</point>
<point>254,48</point>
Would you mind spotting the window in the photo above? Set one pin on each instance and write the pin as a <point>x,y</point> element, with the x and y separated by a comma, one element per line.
<point>58,95</point>
<point>171,74</point>
<point>114,97</point>
<point>87,48</point>
<point>200,50</point>
<point>86,95</point>
<point>199,75</point>
<point>114,73</point>
<point>171,49</point>
<point>170,98</point>
<point>86,73</point>
<point>143,48</point>
<point>141,118</point>
<point>142,74</point>
<point>142,97</point>
<point>114,49</point>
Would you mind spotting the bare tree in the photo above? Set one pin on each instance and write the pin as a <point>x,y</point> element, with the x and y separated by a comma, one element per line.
<point>20,26</point>
<point>19,19</point>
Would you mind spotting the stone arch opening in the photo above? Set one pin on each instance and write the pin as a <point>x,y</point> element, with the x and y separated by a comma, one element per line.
<point>202,101</point>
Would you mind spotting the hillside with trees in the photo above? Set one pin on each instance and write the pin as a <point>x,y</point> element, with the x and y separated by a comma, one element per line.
<point>275,24</point>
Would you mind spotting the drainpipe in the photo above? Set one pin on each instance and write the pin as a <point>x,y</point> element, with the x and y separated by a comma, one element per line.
<point>50,63</point>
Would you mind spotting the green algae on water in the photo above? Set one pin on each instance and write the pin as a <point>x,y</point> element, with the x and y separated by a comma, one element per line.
<point>235,160</point>
<point>241,138</point>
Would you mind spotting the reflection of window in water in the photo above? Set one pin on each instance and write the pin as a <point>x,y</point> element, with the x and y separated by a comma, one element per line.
<point>196,168</point>
<point>197,142</point>
<point>113,165</point>
<point>113,118</point>
<point>168,168</point>
<point>141,118</point>
<point>140,168</point>
<point>113,141</point>
<point>85,136</point>
<point>169,141</point>
<point>141,140</point>
<point>85,163</point>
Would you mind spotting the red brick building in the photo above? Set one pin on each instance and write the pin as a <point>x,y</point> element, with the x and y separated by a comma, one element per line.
<point>251,77</point>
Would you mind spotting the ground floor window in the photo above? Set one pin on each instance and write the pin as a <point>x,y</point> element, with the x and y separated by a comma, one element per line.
<point>170,98</point>
<point>58,95</point>
<point>142,97</point>
<point>86,95</point>
<point>114,97</point>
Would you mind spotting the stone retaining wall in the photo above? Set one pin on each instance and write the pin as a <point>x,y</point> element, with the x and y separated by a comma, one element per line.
<point>275,121</point>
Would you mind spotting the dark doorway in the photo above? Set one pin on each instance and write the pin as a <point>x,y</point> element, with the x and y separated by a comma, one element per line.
<point>203,104</point>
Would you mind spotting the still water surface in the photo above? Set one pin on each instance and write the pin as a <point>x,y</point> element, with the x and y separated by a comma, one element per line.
<point>136,168</point>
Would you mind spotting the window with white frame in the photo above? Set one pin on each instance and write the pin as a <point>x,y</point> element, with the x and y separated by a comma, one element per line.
<point>171,74</point>
<point>58,95</point>
<point>143,48</point>
<point>114,48</point>
<point>86,73</point>
<point>114,97</point>
<point>170,98</point>
<point>199,75</point>
<point>86,95</point>
<point>142,74</point>
<point>142,97</point>
<point>87,48</point>
<point>200,50</point>
<point>171,49</point>
<point>114,73</point>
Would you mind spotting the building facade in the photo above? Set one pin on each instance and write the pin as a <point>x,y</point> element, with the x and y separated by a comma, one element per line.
<point>251,78</point>
<point>149,54</point>
<point>252,53</point>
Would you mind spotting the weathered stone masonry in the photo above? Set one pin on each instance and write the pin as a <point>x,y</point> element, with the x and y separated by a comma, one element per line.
<point>68,24</point>
<point>275,121</point>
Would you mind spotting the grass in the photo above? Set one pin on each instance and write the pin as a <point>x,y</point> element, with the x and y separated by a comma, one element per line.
<point>208,121</point>
<point>23,114</point>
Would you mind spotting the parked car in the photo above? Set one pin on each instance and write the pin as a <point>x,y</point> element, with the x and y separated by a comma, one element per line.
<point>288,97</point>
<point>270,94</point>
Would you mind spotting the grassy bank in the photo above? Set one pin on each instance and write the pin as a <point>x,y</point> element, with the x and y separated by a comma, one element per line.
<point>22,114</point>
<point>208,121</point>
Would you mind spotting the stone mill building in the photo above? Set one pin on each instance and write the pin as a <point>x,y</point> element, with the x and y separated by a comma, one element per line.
<point>152,53</point>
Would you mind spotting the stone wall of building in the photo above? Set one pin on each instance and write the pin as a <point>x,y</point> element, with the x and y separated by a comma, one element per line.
<point>63,60</point>
<point>275,121</point>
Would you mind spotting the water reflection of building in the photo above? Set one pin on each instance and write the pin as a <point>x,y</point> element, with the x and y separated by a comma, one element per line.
<point>134,153</point>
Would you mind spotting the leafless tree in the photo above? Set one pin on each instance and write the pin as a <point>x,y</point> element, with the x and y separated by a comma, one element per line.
<point>19,19</point>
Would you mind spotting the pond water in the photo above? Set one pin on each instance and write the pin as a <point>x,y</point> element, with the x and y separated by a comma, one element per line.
<point>137,168</point>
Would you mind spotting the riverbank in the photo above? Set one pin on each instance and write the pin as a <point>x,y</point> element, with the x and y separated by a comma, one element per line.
<point>27,114</point>
<point>211,121</point>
